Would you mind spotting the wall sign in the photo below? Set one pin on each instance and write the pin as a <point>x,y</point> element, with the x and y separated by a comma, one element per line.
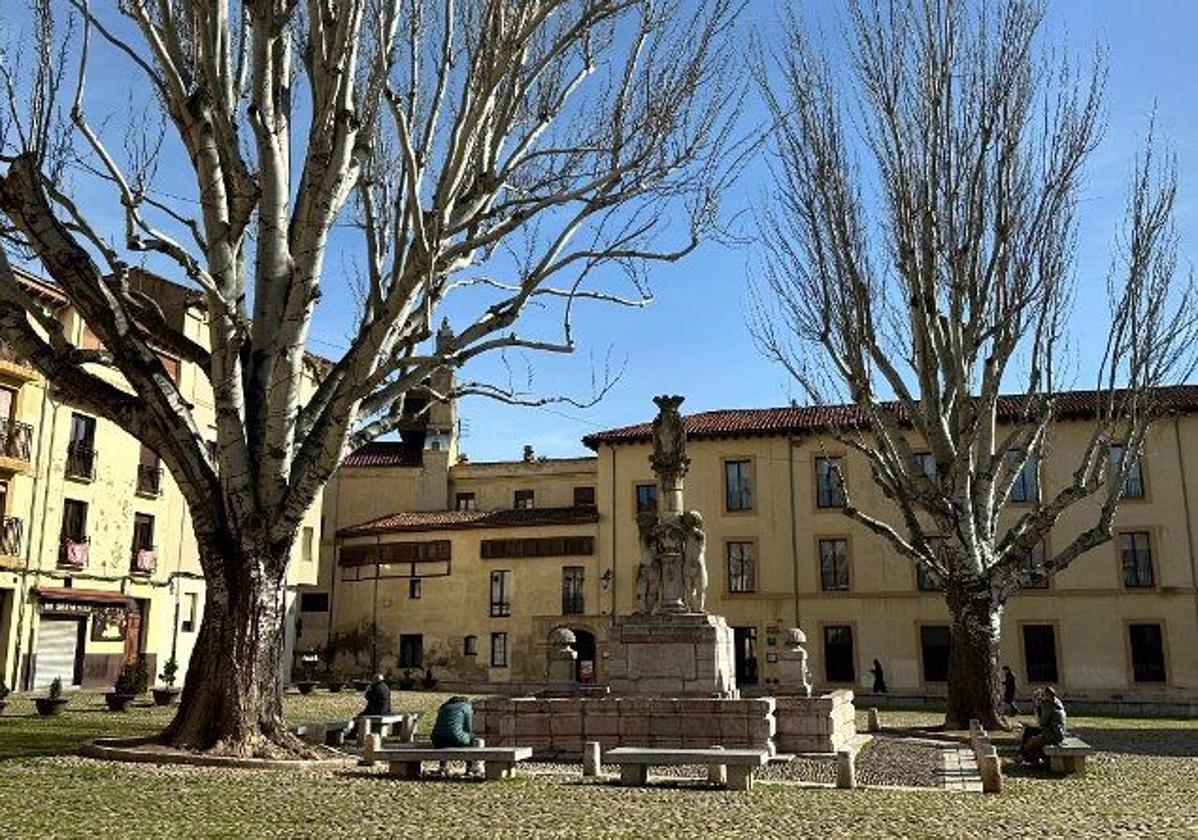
<point>64,608</point>
<point>108,624</point>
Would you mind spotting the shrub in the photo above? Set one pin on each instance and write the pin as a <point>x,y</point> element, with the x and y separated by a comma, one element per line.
<point>4,691</point>
<point>56,688</point>
<point>133,678</point>
<point>169,671</point>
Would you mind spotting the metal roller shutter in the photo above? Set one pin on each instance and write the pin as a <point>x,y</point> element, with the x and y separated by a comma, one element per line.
<point>57,649</point>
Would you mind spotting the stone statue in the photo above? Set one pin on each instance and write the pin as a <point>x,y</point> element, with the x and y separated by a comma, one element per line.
<point>694,568</point>
<point>648,571</point>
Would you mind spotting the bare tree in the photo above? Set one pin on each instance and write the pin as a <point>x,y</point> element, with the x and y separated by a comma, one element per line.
<point>520,149</point>
<point>919,251</point>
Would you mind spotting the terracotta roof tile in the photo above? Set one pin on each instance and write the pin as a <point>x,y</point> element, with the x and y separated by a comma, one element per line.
<point>384,453</point>
<point>797,419</point>
<point>452,520</point>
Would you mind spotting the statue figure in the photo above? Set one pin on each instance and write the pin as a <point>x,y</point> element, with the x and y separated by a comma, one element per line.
<point>669,459</point>
<point>694,568</point>
<point>648,571</point>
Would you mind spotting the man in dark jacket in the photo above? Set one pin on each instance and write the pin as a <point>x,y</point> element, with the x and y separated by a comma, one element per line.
<point>1008,693</point>
<point>1051,717</point>
<point>378,697</point>
<point>453,728</point>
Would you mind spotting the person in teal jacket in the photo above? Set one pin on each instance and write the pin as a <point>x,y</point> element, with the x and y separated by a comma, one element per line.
<point>453,728</point>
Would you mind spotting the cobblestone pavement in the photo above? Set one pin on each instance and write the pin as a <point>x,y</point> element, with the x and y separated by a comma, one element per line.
<point>1142,781</point>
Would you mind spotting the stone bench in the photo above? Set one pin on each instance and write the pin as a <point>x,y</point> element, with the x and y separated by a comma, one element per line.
<point>403,762</point>
<point>382,724</point>
<point>1069,756</point>
<point>329,733</point>
<point>737,766</point>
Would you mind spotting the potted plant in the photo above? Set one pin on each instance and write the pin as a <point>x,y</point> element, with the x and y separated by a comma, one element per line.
<point>407,682</point>
<point>428,680</point>
<point>53,701</point>
<point>131,682</point>
<point>307,680</point>
<point>4,692</point>
<point>166,694</point>
<point>336,679</point>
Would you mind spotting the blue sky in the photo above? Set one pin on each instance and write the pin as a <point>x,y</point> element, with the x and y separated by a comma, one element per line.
<point>693,339</point>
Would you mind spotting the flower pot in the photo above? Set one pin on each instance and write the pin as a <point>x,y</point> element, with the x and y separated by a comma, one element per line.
<point>118,702</point>
<point>47,706</point>
<point>335,686</point>
<point>165,696</point>
<point>305,686</point>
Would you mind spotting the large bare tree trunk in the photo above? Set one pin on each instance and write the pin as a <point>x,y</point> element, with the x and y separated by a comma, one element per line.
<point>233,697</point>
<point>973,656</point>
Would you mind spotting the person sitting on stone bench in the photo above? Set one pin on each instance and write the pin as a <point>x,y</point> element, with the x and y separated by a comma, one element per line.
<point>378,702</point>
<point>1051,717</point>
<point>453,728</point>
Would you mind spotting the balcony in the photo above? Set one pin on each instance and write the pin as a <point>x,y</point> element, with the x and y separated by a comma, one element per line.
<point>12,532</point>
<point>16,442</point>
<point>149,481</point>
<point>145,561</point>
<point>73,552</point>
<point>81,461</point>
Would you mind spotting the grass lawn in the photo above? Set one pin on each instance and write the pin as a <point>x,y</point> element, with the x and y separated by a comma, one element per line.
<point>1142,781</point>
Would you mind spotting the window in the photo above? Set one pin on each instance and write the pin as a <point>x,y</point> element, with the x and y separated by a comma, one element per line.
<point>143,532</point>
<point>538,547</point>
<point>191,606</point>
<point>838,654</point>
<point>834,565</point>
<point>314,602</point>
<point>1040,653</point>
<point>1026,488</point>
<point>74,520</point>
<point>523,500</point>
<point>464,501</point>
<point>646,498</point>
<point>1032,573</point>
<point>1137,560</point>
<point>501,593</point>
<point>934,642</point>
<point>740,567</point>
<point>584,497</point>
<point>1147,653</point>
<point>1133,485</point>
<point>499,650</point>
<point>925,468</point>
<point>573,590</point>
<point>306,540</point>
<point>8,403</point>
<point>149,473</point>
<point>829,482</point>
<point>470,646</point>
<point>738,485</point>
<point>415,589</point>
<point>81,450</point>
<point>411,650</point>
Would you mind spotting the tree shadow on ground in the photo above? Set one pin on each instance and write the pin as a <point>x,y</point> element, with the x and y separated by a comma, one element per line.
<point>1141,741</point>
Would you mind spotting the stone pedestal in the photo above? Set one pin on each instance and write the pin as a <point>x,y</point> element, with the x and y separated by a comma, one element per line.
<point>672,655</point>
<point>791,668</point>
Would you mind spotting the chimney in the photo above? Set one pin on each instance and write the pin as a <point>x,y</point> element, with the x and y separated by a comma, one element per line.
<point>529,454</point>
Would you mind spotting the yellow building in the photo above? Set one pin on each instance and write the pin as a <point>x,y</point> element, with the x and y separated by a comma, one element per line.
<point>98,561</point>
<point>432,561</point>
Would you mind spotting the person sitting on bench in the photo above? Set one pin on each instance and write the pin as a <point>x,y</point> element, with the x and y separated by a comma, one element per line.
<point>1050,714</point>
<point>378,701</point>
<point>455,719</point>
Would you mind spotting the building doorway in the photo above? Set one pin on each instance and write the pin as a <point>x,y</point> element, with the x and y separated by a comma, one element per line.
<point>59,652</point>
<point>584,646</point>
<point>745,642</point>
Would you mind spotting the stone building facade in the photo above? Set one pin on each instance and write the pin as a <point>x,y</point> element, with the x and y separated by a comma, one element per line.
<point>98,561</point>
<point>435,561</point>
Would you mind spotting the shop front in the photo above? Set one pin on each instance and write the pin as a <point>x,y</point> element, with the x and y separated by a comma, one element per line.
<point>83,637</point>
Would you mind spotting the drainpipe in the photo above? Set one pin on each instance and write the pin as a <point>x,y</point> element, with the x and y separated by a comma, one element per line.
<point>615,506</point>
<point>793,444</point>
<point>1185,501</point>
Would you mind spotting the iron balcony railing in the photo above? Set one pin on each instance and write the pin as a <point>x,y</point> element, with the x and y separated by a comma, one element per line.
<point>73,553</point>
<point>81,461</point>
<point>145,560</point>
<point>12,532</point>
<point>16,439</point>
<point>149,480</point>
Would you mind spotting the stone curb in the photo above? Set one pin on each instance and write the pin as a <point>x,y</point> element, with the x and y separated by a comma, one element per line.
<point>124,749</point>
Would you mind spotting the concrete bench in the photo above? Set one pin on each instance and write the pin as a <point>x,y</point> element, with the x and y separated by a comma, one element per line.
<point>382,724</point>
<point>329,733</point>
<point>737,766</point>
<point>403,762</point>
<point>1069,756</point>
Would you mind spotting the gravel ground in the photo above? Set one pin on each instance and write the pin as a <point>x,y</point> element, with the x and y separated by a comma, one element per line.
<point>1142,782</point>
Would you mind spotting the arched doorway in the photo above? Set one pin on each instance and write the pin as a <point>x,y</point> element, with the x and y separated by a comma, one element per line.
<point>584,646</point>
